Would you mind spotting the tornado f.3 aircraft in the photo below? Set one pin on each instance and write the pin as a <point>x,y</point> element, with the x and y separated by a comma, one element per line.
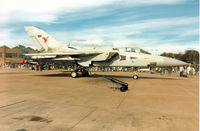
<point>82,59</point>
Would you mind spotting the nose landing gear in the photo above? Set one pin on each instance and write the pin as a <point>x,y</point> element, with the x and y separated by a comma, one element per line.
<point>135,76</point>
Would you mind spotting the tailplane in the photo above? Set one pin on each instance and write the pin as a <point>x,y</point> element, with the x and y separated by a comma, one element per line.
<point>43,41</point>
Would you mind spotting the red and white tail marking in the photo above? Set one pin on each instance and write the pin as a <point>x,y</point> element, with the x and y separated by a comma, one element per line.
<point>45,39</point>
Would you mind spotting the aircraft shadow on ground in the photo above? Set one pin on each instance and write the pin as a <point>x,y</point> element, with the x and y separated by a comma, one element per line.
<point>140,77</point>
<point>57,75</point>
<point>10,73</point>
<point>68,74</point>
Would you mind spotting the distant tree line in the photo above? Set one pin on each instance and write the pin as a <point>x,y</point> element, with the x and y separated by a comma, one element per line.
<point>190,56</point>
<point>144,51</point>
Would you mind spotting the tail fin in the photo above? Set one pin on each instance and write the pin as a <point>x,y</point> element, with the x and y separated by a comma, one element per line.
<point>42,40</point>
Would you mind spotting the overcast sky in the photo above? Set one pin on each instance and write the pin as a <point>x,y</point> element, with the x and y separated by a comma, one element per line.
<point>154,25</point>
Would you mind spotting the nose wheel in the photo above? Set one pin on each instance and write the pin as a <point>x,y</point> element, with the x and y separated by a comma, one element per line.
<point>135,77</point>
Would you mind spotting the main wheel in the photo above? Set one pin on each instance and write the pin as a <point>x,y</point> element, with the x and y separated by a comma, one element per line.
<point>135,77</point>
<point>74,74</point>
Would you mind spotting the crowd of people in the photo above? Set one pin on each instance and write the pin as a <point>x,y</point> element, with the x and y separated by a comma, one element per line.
<point>187,70</point>
<point>17,66</point>
<point>182,70</point>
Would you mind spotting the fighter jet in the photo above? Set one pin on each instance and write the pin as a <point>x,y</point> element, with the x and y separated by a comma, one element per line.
<point>51,50</point>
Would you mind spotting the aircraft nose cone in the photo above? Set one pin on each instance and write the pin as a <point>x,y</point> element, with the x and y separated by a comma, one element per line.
<point>180,63</point>
<point>173,62</point>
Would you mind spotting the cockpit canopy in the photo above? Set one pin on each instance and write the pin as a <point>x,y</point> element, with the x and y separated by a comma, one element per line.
<point>132,49</point>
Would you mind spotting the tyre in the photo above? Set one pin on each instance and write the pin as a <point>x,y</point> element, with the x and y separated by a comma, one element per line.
<point>74,74</point>
<point>122,89</point>
<point>135,77</point>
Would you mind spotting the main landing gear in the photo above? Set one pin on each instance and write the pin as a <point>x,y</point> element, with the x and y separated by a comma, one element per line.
<point>135,77</point>
<point>74,74</point>
<point>79,72</point>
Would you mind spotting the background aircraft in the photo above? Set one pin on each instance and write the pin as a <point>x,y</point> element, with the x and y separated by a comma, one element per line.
<point>27,59</point>
<point>82,59</point>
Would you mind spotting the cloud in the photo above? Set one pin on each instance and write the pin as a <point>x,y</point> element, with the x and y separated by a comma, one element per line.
<point>137,34</point>
<point>16,42</point>
<point>173,48</point>
<point>154,2</point>
<point>42,11</point>
<point>126,30</point>
<point>162,26</point>
<point>189,32</point>
<point>139,28</point>
<point>46,11</point>
<point>5,33</point>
